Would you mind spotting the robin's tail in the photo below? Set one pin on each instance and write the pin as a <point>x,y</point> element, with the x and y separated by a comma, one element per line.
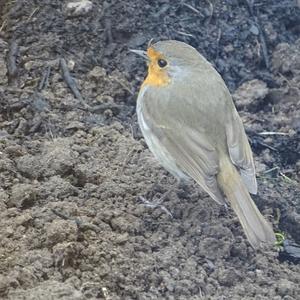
<point>256,228</point>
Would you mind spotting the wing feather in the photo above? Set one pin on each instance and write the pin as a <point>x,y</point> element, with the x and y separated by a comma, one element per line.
<point>198,160</point>
<point>189,148</point>
<point>240,151</point>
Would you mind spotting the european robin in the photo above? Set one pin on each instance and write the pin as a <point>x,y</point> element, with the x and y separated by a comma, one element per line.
<point>190,124</point>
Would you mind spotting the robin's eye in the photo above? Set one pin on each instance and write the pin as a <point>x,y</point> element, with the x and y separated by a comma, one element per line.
<point>162,63</point>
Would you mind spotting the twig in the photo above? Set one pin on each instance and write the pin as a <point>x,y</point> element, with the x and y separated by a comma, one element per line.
<point>61,215</point>
<point>270,170</point>
<point>15,90</point>
<point>267,146</point>
<point>184,33</point>
<point>44,81</point>
<point>81,226</point>
<point>276,168</point>
<point>264,48</point>
<point>272,133</point>
<point>162,11</point>
<point>108,31</point>
<point>192,8</point>
<point>218,42</point>
<point>31,15</point>
<point>115,108</point>
<point>127,158</point>
<point>288,179</point>
<point>3,25</point>
<point>69,80</point>
<point>211,6</point>
<point>123,85</point>
<point>12,69</point>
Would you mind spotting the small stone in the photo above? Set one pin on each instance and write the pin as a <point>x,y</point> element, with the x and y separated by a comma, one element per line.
<point>71,65</point>
<point>8,232</point>
<point>3,196</point>
<point>4,284</point>
<point>61,231</point>
<point>286,58</point>
<point>57,158</point>
<point>64,253</point>
<point>229,48</point>
<point>124,224</point>
<point>213,249</point>
<point>285,287</point>
<point>253,29</point>
<point>30,65</point>
<point>56,188</point>
<point>22,196</point>
<point>23,219</point>
<point>228,277</point>
<point>270,32</point>
<point>97,72</point>
<point>78,8</point>
<point>250,92</point>
<point>122,238</point>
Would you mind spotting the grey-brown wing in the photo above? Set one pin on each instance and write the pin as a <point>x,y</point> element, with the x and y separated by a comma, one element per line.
<point>188,147</point>
<point>197,158</point>
<point>240,151</point>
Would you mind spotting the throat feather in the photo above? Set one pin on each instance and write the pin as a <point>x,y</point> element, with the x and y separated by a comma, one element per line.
<point>156,77</point>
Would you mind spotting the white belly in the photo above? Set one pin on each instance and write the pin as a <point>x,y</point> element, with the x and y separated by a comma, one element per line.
<point>158,150</point>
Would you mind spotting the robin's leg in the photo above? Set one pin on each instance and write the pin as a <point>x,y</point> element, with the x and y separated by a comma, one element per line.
<point>152,201</point>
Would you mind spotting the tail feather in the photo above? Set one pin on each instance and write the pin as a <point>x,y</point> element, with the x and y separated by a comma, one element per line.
<point>256,228</point>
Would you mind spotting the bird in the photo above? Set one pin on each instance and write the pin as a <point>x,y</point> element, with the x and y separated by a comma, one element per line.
<point>190,124</point>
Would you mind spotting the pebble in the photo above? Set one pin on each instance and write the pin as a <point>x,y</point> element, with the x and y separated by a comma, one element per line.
<point>78,8</point>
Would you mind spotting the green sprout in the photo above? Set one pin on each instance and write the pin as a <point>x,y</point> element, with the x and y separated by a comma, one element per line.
<point>280,237</point>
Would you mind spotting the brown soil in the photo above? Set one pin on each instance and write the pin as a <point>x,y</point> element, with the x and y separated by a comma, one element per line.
<point>71,170</point>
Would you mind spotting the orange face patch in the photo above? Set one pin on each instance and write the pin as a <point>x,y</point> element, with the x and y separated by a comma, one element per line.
<point>157,76</point>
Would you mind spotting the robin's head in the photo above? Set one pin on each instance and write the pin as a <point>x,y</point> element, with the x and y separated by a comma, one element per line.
<point>168,60</point>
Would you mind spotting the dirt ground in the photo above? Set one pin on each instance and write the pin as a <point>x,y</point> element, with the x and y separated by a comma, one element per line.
<point>72,167</point>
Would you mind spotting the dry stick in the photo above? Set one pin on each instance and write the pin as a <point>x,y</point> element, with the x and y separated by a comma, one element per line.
<point>81,226</point>
<point>69,80</point>
<point>273,133</point>
<point>218,42</point>
<point>44,81</point>
<point>192,8</point>
<point>108,31</point>
<point>184,33</point>
<point>3,25</point>
<point>31,15</point>
<point>211,6</point>
<point>115,108</point>
<point>250,4</point>
<point>123,85</point>
<point>12,69</point>
<point>267,146</point>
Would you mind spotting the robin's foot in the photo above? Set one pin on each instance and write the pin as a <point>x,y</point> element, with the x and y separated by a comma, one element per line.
<point>156,202</point>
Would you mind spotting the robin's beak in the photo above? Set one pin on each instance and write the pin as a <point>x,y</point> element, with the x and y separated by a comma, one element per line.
<point>140,53</point>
